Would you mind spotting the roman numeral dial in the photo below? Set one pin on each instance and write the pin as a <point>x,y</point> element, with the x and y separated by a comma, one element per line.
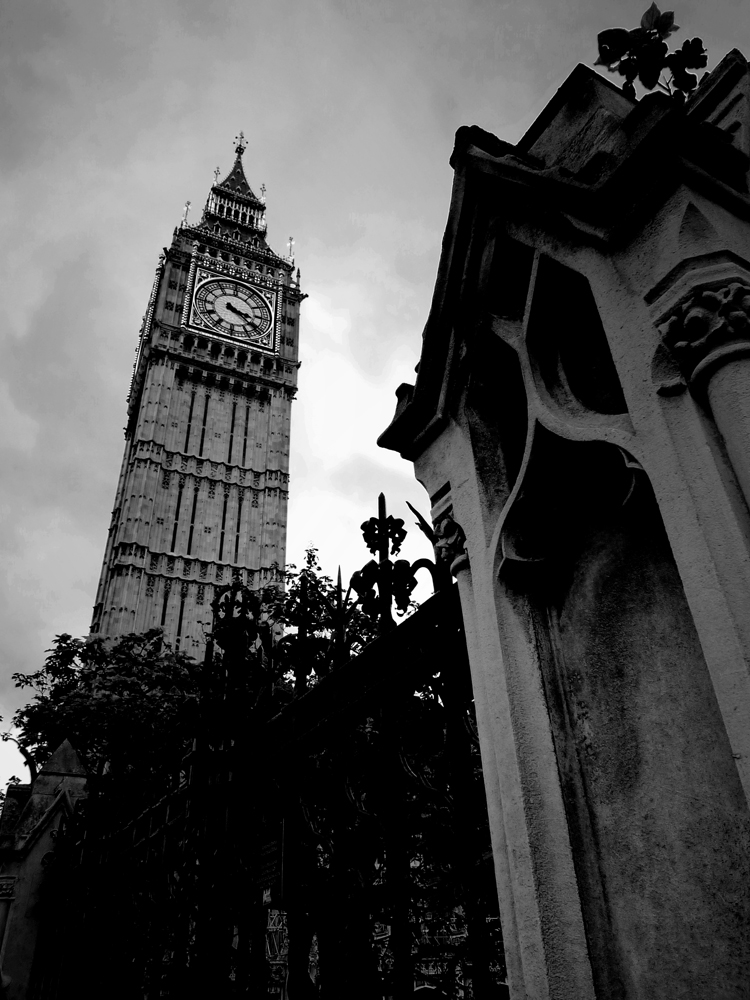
<point>232,308</point>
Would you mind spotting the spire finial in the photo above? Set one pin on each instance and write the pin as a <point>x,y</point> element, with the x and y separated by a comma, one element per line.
<point>263,193</point>
<point>241,144</point>
<point>290,244</point>
<point>185,214</point>
<point>217,171</point>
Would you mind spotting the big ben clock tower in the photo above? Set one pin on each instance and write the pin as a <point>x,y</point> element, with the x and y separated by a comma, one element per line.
<point>202,496</point>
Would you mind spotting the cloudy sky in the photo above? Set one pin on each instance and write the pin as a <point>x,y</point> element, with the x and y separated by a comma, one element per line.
<point>113,114</point>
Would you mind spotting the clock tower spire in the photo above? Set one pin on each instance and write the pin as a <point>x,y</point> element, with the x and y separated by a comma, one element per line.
<point>202,497</point>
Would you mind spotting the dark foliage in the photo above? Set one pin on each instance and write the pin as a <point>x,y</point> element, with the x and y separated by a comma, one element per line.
<point>319,626</point>
<point>128,705</point>
<point>643,54</point>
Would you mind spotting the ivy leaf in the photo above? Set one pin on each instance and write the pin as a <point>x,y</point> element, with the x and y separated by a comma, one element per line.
<point>629,69</point>
<point>651,62</point>
<point>684,81</point>
<point>650,19</point>
<point>683,59</point>
<point>665,24</point>
<point>613,45</point>
<point>695,55</point>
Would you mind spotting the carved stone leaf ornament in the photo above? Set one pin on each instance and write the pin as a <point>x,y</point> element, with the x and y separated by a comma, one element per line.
<point>450,543</point>
<point>708,326</point>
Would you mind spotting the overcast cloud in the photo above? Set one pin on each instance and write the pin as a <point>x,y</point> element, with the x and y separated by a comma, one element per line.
<point>114,114</point>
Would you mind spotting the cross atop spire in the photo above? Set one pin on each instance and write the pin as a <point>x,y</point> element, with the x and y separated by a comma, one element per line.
<point>235,181</point>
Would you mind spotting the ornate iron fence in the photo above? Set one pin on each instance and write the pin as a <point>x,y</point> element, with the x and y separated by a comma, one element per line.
<point>329,844</point>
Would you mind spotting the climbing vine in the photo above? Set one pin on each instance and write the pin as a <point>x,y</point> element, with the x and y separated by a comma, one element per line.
<point>643,54</point>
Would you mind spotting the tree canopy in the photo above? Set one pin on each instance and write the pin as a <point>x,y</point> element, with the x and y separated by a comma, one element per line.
<point>130,705</point>
<point>127,705</point>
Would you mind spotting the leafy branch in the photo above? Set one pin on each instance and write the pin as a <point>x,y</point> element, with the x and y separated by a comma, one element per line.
<point>643,54</point>
<point>128,705</point>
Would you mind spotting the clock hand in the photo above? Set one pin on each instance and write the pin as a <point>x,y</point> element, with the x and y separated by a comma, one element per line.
<point>238,312</point>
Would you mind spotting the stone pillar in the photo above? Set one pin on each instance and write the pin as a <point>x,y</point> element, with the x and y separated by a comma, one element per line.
<point>708,333</point>
<point>582,412</point>
<point>702,311</point>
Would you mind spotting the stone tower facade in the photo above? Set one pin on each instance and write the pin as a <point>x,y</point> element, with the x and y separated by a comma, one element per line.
<point>202,495</point>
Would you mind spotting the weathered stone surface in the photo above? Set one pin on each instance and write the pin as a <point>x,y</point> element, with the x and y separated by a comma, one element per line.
<point>582,412</point>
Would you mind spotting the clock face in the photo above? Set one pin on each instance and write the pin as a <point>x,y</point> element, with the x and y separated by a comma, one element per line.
<point>232,308</point>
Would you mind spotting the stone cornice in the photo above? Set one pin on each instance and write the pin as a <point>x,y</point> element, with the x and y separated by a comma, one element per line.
<point>246,379</point>
<point>228,475</point>
<point>204,234</point>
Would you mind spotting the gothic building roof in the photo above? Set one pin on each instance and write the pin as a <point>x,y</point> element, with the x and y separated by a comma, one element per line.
<point>593,168</point>
<point>593,155</point>
<point>232,205</point>
<point>235,184</point>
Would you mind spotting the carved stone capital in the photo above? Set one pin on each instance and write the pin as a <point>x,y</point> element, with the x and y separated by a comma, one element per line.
<point>450,544</point>
<point>709,328</point>
<point>7,887</point>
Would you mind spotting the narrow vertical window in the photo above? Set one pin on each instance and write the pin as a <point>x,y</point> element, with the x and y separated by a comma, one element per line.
<point>176,517</point>
<point>192,521</point>
<point>181,616</point>
<point>244,444</point>
<point>223,526</point>
<point>237,534</point>
<point>203,429</point>
<point>231,433</point>
<point>164,604</point>
<point>190,421</point>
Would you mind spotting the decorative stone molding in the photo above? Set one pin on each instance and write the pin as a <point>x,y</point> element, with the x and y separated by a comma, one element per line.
<point>7,887</point>
<point>450,542</point>
<point>710,328</point>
